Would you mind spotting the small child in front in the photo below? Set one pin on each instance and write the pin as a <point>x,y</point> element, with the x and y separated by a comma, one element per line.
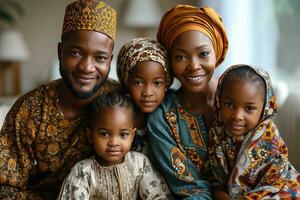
<point>247,154</point>
<point>113,172</point>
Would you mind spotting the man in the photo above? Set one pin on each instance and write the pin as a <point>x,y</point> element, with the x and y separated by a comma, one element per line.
<point>43,134</point>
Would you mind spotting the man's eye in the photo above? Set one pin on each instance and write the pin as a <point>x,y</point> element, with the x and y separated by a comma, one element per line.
<point>74,53</point>
<point>101,58</point>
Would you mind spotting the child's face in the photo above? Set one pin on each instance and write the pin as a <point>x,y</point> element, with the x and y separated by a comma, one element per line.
<point>146,85</point>
<point>112,133</point>
<point>85,58</point>
<point>193,60</point>
<point>242,103</point>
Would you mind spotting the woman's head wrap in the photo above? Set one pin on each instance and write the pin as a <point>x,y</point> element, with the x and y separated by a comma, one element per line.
<point>141,50</point>
<point>93,15</point>
<point>182,18</point>
<point>271,106</point>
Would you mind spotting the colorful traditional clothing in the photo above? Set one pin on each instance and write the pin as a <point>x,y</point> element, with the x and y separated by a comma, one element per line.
<point>260,168</point>
<point>182,18</point>
<point>89,180</point>
<point>38,146</point>
<point>178,141</point>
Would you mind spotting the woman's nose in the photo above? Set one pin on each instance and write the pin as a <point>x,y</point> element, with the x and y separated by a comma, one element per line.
<point>194,64</point>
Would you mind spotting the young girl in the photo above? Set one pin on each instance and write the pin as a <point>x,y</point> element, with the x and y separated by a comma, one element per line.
<point>143,71</point>
<point>248,156</point>
<point>114,172</point>
<point>178,130</point>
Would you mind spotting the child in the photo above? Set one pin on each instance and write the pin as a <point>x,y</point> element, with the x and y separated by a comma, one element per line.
<point>143,71</point>
<point>196,41</point>
<point>114,172</point>
<point>247,154</point>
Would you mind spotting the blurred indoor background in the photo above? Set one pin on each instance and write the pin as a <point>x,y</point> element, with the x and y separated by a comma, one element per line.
<point>263,33</point>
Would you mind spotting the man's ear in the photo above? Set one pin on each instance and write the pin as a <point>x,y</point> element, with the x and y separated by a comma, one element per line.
<point>89,134</point>
<point>59,46</point>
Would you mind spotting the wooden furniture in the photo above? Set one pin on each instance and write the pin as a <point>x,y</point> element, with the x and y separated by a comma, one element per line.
<point>10,72</point>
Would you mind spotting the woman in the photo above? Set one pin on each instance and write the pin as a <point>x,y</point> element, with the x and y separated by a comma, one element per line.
<point>197,43</point>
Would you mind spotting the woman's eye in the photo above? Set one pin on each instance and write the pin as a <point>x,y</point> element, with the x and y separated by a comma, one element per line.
<point>204,53</point>
<point>180,58</point>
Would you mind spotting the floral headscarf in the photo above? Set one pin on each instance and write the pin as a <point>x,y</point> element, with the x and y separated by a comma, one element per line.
<point>258,168</point>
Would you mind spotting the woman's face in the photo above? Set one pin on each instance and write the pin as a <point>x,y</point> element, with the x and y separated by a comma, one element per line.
<point>193,60</point>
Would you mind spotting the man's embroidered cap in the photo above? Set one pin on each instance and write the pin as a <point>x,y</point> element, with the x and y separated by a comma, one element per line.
<point>91,15</point>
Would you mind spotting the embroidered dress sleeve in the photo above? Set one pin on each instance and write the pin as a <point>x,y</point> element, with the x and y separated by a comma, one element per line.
<point>152,185</point>
<point>77,184</point>
<point>217,159</point>
<point>180,173</point>
<point>16,153</point>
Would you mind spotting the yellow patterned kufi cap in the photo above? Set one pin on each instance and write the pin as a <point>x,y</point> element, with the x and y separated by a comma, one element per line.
<point>91,15</point>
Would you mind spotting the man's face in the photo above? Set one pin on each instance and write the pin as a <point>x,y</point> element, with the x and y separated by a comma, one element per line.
<point>85,58</point>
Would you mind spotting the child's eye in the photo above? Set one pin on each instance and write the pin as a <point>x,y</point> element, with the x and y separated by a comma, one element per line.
<point>158,83</point>
<point>250,108</point>
<point>138,82</point>
<point>124,134</point>
<point>103,133</point>
<point>204,53</point>
<point>228,104</point>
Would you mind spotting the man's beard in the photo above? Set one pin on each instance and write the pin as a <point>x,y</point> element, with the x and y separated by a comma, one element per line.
<point>80,95</point>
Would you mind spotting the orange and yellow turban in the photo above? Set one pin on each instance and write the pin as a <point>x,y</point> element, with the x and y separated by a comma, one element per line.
<point>183,18</point>
<point>93,15</point>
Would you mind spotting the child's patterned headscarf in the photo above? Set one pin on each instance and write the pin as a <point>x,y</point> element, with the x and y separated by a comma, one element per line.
<point>141,50</point>
<point>271,106</point>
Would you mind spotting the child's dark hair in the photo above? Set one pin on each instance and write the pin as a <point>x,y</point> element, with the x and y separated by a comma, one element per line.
<point>244,72</point>
<point>109,100</point>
